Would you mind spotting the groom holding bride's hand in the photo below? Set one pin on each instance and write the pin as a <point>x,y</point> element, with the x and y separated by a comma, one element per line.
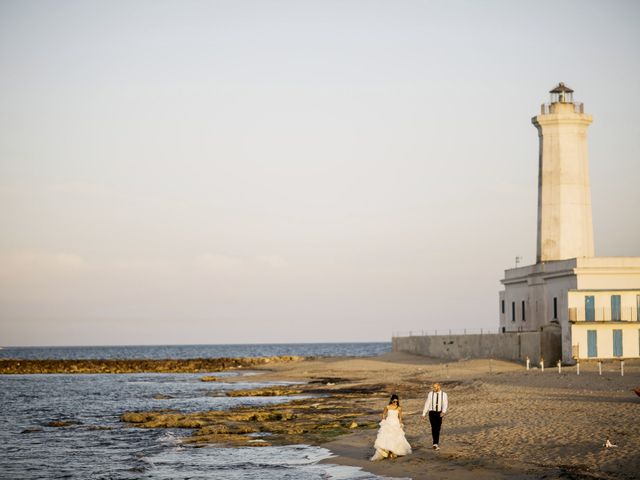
<point>436,406</point>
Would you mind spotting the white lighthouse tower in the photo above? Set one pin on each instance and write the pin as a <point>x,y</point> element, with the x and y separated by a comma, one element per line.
<point>565,226</point>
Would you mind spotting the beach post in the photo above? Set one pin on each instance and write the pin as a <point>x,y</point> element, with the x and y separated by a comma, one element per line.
<point>542,364</point>
<point>622,368</point>
<point>599,367</point>
<point>559,366</point>
<point>528,363</point>
<point>578,367</point>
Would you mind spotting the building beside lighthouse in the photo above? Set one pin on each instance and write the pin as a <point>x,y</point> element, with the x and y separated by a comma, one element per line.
<point>583,306</point>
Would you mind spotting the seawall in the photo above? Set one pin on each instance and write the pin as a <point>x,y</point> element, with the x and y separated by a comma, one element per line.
<point>507,346</point>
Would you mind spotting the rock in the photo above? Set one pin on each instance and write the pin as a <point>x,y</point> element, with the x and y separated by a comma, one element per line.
<point>209,378</point>
<point>194,365</point>
<point>159,396</point>
<point>31,430</point>
<point>326,412</point>
<point>60,423</point>
<point>304,420</point>
<point>135,417</point>
<point>265,392</point>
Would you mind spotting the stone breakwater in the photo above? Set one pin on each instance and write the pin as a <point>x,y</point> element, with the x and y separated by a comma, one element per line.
<point>195,365</point>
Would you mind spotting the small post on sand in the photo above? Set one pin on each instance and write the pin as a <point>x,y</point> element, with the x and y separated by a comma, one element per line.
<point>542,364</point>
<point>599,367</point>
<point>622,368</point>
<point>559,366</point>
<point>528,363</point>
<point>578,367</point>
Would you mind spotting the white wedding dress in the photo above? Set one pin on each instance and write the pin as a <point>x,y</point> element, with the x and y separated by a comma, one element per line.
<point>391,437</point>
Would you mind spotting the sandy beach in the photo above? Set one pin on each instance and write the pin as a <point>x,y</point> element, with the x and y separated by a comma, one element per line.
<point>504,421</point>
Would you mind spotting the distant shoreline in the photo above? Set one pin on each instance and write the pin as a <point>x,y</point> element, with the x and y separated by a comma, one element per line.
<point>194,365</point>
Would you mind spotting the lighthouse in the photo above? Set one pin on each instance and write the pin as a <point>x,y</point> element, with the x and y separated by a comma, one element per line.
<point>565,226</point>
<point>570,304</point>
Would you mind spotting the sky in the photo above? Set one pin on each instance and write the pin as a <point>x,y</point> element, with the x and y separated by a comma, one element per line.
<point>240,171</point>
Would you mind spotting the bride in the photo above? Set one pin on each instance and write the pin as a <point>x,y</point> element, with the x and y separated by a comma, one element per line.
<point>390,441</point>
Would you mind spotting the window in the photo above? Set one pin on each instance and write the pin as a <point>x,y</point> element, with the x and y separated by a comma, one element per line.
<point>589,308</point>
<point>523,314</point>
<point>555,307</point>
<point>615,308</point>
<point>513,311</point>
<point>592,343</point>
<point>617,343</point>
<point>502,307</point>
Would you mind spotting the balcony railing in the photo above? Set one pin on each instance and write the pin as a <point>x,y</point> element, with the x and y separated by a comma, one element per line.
<point>603,314</point>
<point>545,108</point>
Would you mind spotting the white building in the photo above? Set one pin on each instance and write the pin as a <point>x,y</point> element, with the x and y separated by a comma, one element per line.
<point>593,302</point>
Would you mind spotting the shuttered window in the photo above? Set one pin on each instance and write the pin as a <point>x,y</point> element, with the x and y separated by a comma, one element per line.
<point>592,343</point>
<point>617,343</point>
<point>615,308</point>
<point>590,308</point>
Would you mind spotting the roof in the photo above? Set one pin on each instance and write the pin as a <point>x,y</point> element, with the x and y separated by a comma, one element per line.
<point>561,88</point>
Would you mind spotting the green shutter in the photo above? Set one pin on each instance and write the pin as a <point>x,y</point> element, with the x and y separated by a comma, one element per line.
<point>592,343</point>
<point>590,308</point>
<point>617,343</point>
<point>615,308</point>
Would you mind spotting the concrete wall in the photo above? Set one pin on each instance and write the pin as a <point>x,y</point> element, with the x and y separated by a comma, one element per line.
<point>529,346</point>
<point>507,346</point>
<point>608,273</point>
<point>552,344</point>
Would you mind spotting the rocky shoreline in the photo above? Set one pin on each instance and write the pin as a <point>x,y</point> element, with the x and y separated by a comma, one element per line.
<point>315,413</point>
<point>194,365</point>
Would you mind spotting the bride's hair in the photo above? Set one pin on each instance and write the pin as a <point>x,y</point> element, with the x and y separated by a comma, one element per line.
<point>394,397</point>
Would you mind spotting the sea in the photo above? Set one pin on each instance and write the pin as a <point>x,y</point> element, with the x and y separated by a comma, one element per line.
<point>95,444</point>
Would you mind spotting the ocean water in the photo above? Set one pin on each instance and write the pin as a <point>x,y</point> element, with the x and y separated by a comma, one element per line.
<point>198,351</point>
<point>97,445</point>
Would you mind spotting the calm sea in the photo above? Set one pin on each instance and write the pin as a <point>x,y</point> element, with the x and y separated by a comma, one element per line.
<point>96,445</point>
<point>199,351</point>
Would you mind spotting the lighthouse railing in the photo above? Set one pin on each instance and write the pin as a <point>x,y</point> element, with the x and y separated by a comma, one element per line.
<point>545,108</point>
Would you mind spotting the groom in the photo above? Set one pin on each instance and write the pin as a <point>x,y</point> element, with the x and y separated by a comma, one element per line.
<point>436,406</point>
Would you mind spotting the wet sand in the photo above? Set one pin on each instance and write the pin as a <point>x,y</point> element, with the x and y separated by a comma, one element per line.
<point>503,422</point>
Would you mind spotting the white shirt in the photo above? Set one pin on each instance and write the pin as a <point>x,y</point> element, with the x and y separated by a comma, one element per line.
<point>436,402</point>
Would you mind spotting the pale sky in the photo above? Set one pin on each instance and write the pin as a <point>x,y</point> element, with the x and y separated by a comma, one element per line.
<point>292,171</point>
